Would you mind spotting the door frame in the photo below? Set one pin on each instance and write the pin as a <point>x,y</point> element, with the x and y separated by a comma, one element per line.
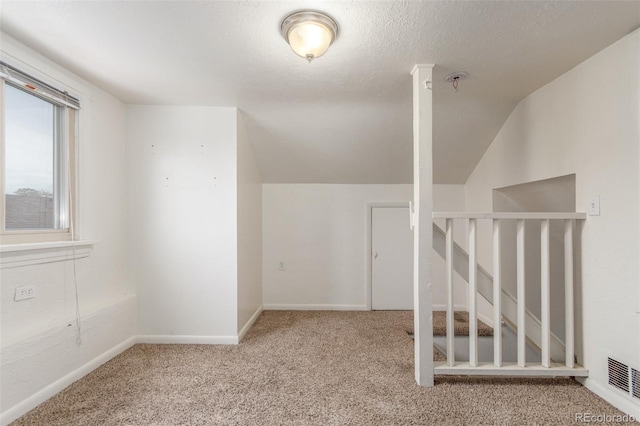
<point>368,240</point>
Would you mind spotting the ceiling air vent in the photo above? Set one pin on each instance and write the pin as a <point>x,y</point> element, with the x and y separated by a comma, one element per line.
<point>635,382</point>
<point>619,375</point>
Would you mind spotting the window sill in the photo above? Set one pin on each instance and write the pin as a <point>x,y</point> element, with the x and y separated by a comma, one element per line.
<point>17,255</point>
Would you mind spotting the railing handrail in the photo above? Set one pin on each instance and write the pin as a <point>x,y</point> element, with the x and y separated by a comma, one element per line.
<point>509,215</point>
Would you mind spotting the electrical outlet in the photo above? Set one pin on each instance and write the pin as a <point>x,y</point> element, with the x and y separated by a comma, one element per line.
<point>281,266</point>
<point>24,293</point>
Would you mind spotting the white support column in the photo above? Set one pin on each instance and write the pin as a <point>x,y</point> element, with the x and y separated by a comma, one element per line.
<point>450,307</point>
<point>423,222</point>
<point>545,290</point>
<point>520,294</point>
<point>473,294</point>
<point>568,293</point>
<point>497,295</point>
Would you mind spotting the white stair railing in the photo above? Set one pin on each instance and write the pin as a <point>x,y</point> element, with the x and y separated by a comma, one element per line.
<point>543,337</point>
<point>486,289</point>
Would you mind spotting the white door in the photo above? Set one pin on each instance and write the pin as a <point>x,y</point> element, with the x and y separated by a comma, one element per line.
<point>391,259</point>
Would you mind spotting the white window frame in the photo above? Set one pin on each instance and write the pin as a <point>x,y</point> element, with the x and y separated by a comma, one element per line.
<point>67,154</point>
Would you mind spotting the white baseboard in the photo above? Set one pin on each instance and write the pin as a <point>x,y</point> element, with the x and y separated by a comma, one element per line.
<point>41,396</point>
<point>249,323</point>
<point>187,340</point>
<point>311,307</point>
<point>199,340</point>
<point>613,397</point>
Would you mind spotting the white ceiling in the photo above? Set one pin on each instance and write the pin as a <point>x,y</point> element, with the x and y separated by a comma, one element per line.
<point>345,118</point>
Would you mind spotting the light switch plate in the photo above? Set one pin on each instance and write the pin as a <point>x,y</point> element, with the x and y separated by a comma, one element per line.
<point>593,208</point>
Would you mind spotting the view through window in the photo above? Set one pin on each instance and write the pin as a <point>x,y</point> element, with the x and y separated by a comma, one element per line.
<point>33,148</point>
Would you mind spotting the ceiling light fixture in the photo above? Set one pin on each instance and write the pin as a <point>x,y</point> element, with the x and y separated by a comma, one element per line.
<point>309,33</point>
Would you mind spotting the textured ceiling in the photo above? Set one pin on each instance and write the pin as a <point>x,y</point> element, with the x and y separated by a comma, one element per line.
<point>345,118</point>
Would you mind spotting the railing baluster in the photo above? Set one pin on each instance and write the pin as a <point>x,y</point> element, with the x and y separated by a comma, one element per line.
<point>497,295</point>
<point>545,288</point>
<point>520,311</point>
<point>515,307</point>
<point>473,291</point>
<point>450,306</point>
<point>568,292</point>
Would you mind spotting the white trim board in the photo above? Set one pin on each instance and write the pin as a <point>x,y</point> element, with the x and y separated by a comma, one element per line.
<point>18,255</point>
<point>172,339</point>
<point>508,369</point>
<point>614,397</point>
<point>42,395</point>
<point>49,391</point>
<point>249,323</point>
<point>313,307</point>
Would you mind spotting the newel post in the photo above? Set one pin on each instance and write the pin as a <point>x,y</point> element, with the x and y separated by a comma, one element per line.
<point>423,222</point>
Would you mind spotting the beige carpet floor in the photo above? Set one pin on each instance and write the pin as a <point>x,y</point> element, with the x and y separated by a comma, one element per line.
<point>304,368</point>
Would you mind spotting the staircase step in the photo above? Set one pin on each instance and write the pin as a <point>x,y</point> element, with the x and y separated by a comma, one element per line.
<point>461,324</point>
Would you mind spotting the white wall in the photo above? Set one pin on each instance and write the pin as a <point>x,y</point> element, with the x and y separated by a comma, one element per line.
<point>586,122</point>
<point>319,231</point>
<point>182,246</point>
<point>249,232</point>
<point>38,349</point>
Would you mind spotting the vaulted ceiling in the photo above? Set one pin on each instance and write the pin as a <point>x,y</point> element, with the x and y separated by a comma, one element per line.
<point>346,117</point>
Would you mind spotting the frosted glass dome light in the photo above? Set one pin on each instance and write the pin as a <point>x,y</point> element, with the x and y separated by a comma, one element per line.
<point>309,33</point>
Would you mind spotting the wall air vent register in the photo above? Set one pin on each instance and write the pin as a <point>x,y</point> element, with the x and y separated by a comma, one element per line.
<point>623,377</point>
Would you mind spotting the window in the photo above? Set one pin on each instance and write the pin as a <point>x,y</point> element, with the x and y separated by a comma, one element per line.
<point>38,156</point>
